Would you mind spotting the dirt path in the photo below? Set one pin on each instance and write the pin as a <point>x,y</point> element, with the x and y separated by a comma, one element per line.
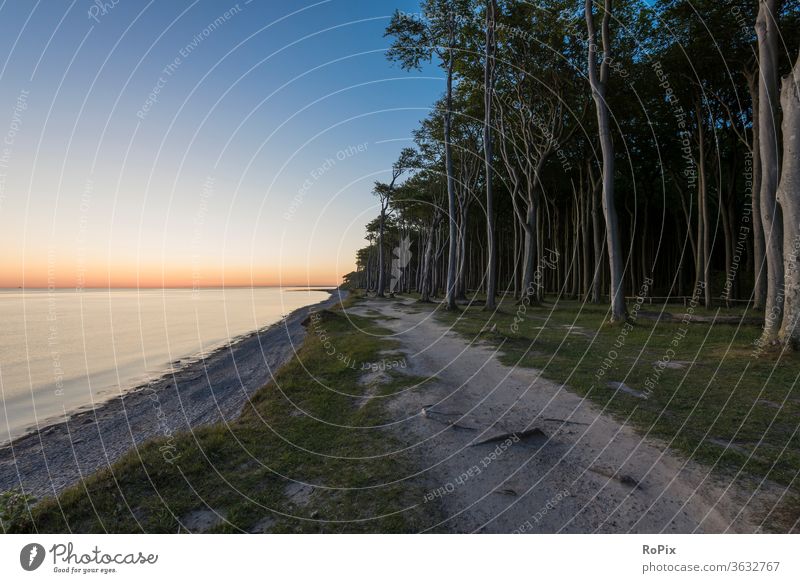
<point>581,472</point>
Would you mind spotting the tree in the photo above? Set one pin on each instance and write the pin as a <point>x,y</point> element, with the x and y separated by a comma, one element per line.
<point>789,198</point>
<point>466,145</point>
<point>767,31</point>
<point>537,102</point>
<point>423,194</point>
<point>418,40</point>
<point>407,159</point>
<point>488,90</point>
<point>599,83</point>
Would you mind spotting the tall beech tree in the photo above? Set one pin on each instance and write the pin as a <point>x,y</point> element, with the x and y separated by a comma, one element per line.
<point>417,40</point>
<point>488,92</point>
<point>598,80</point>
<point>789,198</point>
<point>768,36</point>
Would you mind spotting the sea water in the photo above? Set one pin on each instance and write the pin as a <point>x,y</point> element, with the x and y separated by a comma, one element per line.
<point>64,350</point>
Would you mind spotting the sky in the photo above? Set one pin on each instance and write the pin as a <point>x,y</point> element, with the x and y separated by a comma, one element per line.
<point>196,143</point>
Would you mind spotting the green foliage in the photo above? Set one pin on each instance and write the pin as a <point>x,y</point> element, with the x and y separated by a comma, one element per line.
<point>15,510</point>
<point>436,30</point>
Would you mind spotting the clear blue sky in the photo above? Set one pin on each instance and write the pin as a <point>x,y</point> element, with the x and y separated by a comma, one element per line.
<point>101,183</point>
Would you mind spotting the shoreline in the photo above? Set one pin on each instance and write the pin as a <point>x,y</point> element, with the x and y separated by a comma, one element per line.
<point>201,391</point>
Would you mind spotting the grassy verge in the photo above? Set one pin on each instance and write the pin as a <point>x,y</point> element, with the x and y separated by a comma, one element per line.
<point>708,395</point>
<point>251,475</point>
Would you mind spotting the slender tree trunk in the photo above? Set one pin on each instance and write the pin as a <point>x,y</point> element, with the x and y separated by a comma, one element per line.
<point>381,265</point>
<point>599,84</point>
<point>575,232</point>
<point>631,231</point>
<point>759,259</point>
<point>529,282</point>
<point>749,265</point>
<point>538,237</point>
<point>643,259</point>
<point>698,252</point>
<point>702,198</point>
<point>789,199</point>
<point>725,199</point>
<point>427,271</point>
<point>434,277</point>
<point>558,288</point>
<point>369,270</point>
<point>767,30</point>
<point>418,265</point>
<point>585,211</point>
<point>461,277</point>
<point>488,83</point>
<point>450,291</point>
<point>691,236</point>
<point>439,269</point>
<point>733,214</point>
<point>597,231</point>
<point>516,273</point>
<point>681,268</point>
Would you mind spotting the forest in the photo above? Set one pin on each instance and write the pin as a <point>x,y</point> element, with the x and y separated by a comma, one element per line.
<point>605,151</point>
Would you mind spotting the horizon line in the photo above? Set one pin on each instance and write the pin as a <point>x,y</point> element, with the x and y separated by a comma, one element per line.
<point>186,287</point>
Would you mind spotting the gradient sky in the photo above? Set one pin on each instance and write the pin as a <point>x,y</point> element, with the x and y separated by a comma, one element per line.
<point>253,164</point>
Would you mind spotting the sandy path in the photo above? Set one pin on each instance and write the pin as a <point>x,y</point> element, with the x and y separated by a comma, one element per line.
<point>587,473</point>
<point>199,393</point>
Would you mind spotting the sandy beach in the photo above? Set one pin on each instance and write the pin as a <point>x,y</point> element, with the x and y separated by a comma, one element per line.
<point>213,389</point>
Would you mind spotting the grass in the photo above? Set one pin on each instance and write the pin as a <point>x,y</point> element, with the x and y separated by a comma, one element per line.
<point>246,472</point>
<point>717,403</point>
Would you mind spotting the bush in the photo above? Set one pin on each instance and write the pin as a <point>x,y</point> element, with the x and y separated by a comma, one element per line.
<point>15,510</point>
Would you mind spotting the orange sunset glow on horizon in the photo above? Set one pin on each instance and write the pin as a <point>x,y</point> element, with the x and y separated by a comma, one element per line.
<point>70,275</point>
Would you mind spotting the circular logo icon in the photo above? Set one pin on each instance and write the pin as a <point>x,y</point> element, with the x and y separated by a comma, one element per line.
<point>31,556</point>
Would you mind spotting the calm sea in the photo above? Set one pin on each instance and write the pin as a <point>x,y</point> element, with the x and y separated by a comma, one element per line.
<point>64,350</point>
